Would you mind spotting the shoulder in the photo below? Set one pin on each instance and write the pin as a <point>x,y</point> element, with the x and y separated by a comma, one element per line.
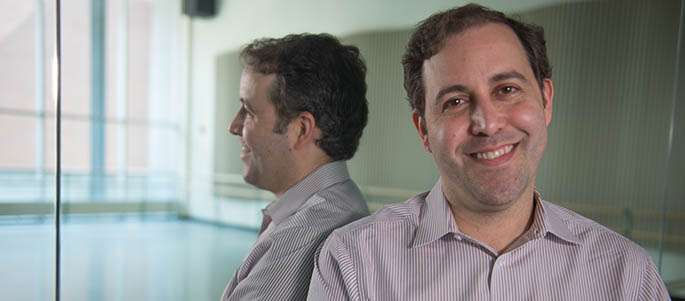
<point>394,219</point>
<point>344,196</point>
<point>610,253</point>
<point>333,207</point>
<point>323,212</point>
<point>601,241</point>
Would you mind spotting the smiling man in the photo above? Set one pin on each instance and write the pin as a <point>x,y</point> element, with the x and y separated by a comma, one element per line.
<point>480,87</point>
<point>302,112</point>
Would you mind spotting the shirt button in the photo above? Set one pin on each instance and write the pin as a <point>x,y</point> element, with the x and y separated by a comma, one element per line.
<point>457,236</point>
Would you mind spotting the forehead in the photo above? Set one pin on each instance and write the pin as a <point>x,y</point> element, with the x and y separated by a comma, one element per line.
<point>255,85</point>
<point>478,53</point>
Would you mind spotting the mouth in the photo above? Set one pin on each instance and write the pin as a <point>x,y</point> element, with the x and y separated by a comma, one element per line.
<point>244,150</point>
<point>493,154</point>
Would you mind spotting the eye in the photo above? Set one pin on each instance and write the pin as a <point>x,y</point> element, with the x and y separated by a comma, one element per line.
<point>246,110</point>
<point>453,103</point>
<point>506,90</point>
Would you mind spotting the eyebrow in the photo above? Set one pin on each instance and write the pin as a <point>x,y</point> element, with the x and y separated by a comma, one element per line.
<point>450,89</point>
<point>507,75</point>
<point>245,104</point>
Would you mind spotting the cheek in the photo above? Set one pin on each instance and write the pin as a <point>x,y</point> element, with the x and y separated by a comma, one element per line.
<point>449,135</point>
<point>251,135</point>
<point>528,118</point>
<point>531,120</point>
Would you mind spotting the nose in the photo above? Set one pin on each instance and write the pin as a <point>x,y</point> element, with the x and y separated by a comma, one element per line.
<point>236,126</point>
<point>486,119</point>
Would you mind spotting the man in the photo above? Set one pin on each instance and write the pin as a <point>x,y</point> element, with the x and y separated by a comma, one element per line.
<point>479,85</point>
<point>302,112</point>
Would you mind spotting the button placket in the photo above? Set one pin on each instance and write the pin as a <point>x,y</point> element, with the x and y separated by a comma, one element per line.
<point>497,281</point>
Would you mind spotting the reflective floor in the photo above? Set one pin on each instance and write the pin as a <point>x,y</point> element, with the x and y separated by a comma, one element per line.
<point>144,258</point>
<point>121,258</point>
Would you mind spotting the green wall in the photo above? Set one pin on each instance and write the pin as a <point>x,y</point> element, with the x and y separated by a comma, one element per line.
<point>613,70</point>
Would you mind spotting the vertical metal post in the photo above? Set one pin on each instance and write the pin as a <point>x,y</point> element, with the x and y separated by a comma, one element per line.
<point>97,99</point>
<point>189,117</point>
<point>122,97</point>
<point>58,146</point>
<point>39,100</point>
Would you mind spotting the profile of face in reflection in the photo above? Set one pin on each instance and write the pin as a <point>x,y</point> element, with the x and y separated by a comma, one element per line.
<point>266,153</point>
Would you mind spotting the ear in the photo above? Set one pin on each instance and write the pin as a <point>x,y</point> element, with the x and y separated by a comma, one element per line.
<point>420,124</point>
<point>303,130</point>
<point>547,97</point>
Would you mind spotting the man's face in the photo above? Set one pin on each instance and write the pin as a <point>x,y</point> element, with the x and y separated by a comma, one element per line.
<point>265,154</point>
<point>484,119</point>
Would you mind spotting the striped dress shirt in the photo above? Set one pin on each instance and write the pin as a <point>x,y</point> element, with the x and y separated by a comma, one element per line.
<point>279,265</point>
<point>415,251</point>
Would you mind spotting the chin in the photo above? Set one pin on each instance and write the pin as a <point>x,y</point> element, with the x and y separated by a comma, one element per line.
<point>249,178</point>
<point>498,194</point>
<point>497,201</point>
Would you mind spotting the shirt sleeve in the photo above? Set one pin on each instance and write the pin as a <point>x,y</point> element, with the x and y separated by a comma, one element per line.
<point>334,276</point>
<point>652,286</point>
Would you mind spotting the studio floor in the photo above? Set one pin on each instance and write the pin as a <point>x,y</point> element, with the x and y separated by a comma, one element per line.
<point>120,258</point>
<point>140,258</point>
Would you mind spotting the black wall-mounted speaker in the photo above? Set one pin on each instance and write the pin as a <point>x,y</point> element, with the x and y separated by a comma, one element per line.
<point>199,8</point>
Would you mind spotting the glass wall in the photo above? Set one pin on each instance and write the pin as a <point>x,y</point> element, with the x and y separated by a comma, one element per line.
<point>114,177</point>
<point>614,139</point>
<point>27,151</point>
<point>110,121</point>
<point>131,133</point>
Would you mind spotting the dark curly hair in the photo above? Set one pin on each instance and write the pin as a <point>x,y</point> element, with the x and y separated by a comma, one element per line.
<point>315,73</point>
<point>429,38</point>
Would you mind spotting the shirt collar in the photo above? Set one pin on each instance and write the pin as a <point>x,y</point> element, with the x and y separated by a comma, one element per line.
<point>548,221</point>
<point>323,177</point>
<point>436,220</point>
<point>435,217</point>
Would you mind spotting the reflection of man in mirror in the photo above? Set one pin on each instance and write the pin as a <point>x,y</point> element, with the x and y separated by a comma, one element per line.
<point>302,112</point>
<point>480,88</point>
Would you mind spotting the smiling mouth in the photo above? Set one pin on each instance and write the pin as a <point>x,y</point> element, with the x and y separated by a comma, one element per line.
<point>244,150</point>
<point>243,145</point>
<point>493,154</point>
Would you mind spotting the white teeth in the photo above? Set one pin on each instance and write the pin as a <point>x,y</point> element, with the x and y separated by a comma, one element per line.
<point>495,154</point>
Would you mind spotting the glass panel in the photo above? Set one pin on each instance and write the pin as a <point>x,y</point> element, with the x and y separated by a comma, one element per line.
<point>18,137</point>
<point>113,157</point>
<point>119,194</point>
<point>672,260</point>
<point>137,151</point>
<point>27,230</point>
<point>606,156</point>
<point>17,54</point>
<point>28,252</point>
<point>139,18</point>
<point>608,139</point>
<point>115,71</point>
<point>76,58</point>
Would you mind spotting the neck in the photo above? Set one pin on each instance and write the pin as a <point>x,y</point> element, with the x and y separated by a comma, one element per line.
<point>301,171</point>
<point>497,229</point>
